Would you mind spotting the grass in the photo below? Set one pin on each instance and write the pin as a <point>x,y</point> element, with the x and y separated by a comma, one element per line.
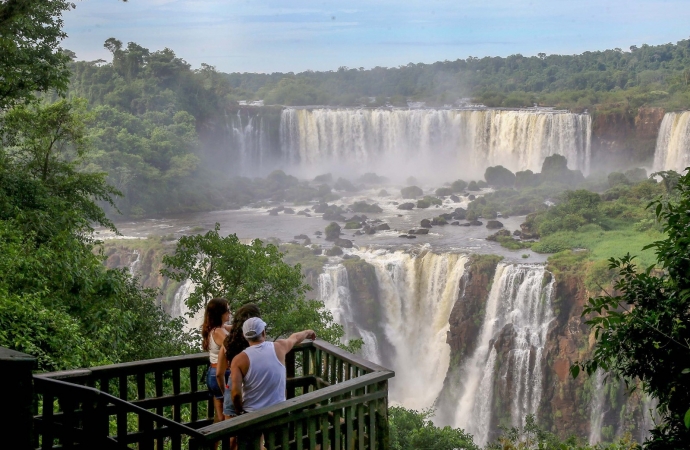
<point>603,244</point>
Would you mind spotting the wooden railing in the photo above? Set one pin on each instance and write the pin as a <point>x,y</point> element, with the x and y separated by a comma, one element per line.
<point>336,400</point>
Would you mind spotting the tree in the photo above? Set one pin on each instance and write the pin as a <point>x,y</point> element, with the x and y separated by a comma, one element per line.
<point>30,34</point>
<point>414,430</point>
<point>643,329</point>
<point>57,300</point>
<point>255,273</point>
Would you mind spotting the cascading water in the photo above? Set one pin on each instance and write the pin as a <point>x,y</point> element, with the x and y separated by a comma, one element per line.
<point>473,139</point>
<point>673,143</point>
<point>179,307</point>
<point>249,139</point>
<point>133,265</point>
<point>334,291</point>
<point>597,412</point>
<point>416,295</point>
<point>509,351</point>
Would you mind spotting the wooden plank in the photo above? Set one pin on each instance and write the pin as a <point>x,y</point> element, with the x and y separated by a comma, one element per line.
<point>121,415</point>
<point>337,430</point>
<point>299,435</point>
<point>349,428</point>
<point>285,438</point>
<point>177,414</point>
<point>270,437</point>
<point>311,432</point>
<point>360,426</point>
<point>325,431</point>
<point>290,373</point>
<point>372,424</point>
<point>194,387</point>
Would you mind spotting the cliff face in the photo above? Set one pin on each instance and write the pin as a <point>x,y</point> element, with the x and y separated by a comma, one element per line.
<point>623,138</point>
<point>584,406</point>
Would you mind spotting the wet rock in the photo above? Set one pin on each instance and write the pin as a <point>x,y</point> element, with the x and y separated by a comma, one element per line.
<point>455,223</point>
<point>419,231</point>
<point>494,224</point>
<point>344,243</point>
<point>499,233</point>
<point>332,231</point>
<point>288,211</point>
<point>439,221</point>
<point>383,193</point>
<point>465,224</point>
<point>383,227</point>
<point>455,198</point>
<point>476,223</point>
<point>320,208</point>
<point>272,212</point>
<point>301,236</point>
<point>406,206</point>
<point>334,251</point>
<point>370,230</point>
<point>471,197</point>
<point>318,233</point>
<point>460,214</point>
<point>307,241</point>
<point>426,223</point>
<point>411,192</point>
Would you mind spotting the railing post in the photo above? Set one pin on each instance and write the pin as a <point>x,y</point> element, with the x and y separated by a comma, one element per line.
<point>16,390</point>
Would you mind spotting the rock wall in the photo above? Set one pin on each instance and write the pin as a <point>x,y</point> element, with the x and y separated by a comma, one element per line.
<point>624,138</point>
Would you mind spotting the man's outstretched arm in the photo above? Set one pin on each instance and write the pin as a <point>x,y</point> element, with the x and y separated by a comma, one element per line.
<point>283,346</point>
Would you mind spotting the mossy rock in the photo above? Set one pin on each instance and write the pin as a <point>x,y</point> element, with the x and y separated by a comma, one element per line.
<point>353,225</point>
<point>411,192</point>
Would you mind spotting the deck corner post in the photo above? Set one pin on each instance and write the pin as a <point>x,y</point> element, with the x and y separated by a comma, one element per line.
<point>16,389</point>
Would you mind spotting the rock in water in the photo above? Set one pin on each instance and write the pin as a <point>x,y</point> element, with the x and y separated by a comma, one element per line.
<point>494,224</point>
<point>344,243</point>
<point>426,223</point>
<point>406,206</point>
<point>383,227</point>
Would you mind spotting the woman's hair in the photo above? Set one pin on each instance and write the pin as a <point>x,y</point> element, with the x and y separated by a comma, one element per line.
<point>213,318</point>
<point>235,342</point>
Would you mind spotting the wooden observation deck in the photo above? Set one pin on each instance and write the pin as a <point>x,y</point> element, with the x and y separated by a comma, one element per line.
<point>335,400</point>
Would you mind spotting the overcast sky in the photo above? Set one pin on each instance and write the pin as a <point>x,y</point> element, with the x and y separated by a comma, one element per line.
<point>298,35</point>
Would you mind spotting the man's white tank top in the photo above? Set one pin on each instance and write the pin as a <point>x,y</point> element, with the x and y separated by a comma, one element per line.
<point>264,383</point>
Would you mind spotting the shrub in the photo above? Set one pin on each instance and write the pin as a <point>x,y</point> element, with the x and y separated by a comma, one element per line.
<point>411,192</point>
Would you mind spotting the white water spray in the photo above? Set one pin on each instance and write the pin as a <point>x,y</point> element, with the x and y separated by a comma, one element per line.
<point>520,303</point>
<point>518,140</point>
<point>673,143</point>
<point>417,294</point>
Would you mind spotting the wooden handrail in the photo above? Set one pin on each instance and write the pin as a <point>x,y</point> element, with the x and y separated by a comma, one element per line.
<point>232,426</point>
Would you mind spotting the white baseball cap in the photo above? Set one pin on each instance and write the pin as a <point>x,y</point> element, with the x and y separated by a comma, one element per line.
<point>253,327</point>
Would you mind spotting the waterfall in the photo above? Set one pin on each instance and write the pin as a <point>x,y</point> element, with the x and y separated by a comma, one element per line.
<point>133,265</point>
<point>509,351</point>
<point>597,412</point>
<point>179,307</point>
<point>417,294</point>
<point>249,138</point>
<point>673,143</point>
<point>518,140</point>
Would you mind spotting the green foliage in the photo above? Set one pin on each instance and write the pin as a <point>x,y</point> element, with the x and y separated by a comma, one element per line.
<point>444,191</point>
<point>57,300</point>
<point>458,186</point>
<point>364,207</point>
<point>332,231</point>
<point>533,437</point>
<point>256,273</point>
<point>32,61</point>
<point>413,430</point>
<point>642,331</point>
<point>423,203</point>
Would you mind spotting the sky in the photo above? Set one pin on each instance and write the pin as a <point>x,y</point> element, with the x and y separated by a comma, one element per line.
<point>297,35</point>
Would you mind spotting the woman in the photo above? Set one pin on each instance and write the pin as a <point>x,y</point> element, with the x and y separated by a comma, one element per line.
<point>213,333</point>
<point>233,345</point>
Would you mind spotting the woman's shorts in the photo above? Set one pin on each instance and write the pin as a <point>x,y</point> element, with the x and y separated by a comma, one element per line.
<point>228,407</point>
<point>212,383</point>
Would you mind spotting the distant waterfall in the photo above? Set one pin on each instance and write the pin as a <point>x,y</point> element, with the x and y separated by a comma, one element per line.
<point>249,139</point>
<point>179,306</point>
<point>135,263</point>
<point>473,139</point>
<point>673,143</point>
<point>509,351</point>
<point>597,412</point>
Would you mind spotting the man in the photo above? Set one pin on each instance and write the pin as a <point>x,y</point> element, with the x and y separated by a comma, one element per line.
<point>258,373</point>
